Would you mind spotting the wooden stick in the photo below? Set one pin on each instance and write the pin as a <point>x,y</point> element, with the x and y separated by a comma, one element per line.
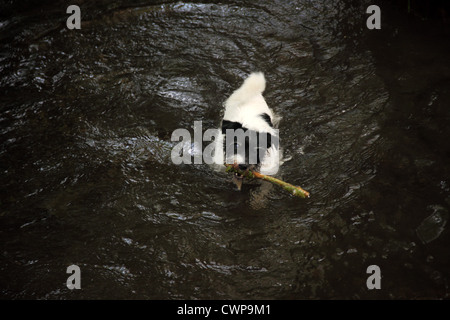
<point>294,190</point>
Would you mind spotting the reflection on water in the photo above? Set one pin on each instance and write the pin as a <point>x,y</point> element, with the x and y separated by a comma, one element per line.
<point>86,120</point>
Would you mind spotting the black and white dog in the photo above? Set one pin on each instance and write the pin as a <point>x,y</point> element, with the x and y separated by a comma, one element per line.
<point>247,113</point>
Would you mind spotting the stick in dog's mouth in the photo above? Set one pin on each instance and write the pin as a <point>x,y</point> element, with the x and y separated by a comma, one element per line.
<point>240,175</point>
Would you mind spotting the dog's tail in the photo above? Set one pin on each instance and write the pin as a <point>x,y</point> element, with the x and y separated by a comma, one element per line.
<point>253,85</point>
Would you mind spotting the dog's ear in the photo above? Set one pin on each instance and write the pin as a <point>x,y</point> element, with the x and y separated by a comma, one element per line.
<point>269,139</point>
<point>226,124</point>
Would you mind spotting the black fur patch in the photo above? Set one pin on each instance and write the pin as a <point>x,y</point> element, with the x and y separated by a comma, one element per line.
<point>226,124</point>
<point>267,119</point>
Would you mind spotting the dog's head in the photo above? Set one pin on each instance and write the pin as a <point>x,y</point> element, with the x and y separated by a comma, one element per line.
<point>248,144</point>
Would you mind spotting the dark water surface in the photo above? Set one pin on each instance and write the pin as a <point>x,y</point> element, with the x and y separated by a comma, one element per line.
<point>86,176</point>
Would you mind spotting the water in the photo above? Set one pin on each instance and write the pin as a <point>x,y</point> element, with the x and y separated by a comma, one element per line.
<point>432,226</point>
<point>86,177</point>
